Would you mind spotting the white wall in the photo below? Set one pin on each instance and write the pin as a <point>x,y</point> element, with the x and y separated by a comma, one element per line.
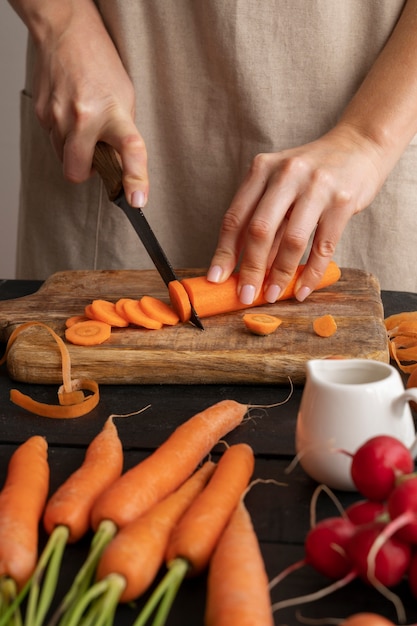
<point>12,58</point>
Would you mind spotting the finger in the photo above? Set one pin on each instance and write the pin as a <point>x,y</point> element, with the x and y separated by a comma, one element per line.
<point>236,219</point>
<point>326,238</point>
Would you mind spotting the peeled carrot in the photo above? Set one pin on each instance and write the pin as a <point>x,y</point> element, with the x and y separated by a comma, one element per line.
<point>71,503</point>
<point>261,323</point>
<point>194,538</point>
<point>211,299</point>
<point>159,310</point>
<point>22,500</point>
<point>179,300</point>
<point>402,339</point>
<point>325,325</point>
<point>237,586</point>
<point>88,332</point>
<point>137,551</point>
<point>70,404</point>
<point>168,466</point>
<point>105,311</point>
<point>136,315</point>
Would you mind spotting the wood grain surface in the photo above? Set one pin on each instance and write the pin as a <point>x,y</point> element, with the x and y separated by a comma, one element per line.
<point>225,352</point>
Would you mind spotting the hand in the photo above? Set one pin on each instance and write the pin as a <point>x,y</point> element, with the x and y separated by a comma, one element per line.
<point>83,94</point>
<point>284,199</point>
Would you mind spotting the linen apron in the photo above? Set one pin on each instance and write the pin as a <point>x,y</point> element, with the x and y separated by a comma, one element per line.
<point>218,81</point>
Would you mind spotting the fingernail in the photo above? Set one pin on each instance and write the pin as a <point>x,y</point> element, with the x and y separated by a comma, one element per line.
<point>247,294</point>
<point>272,293</point>
<point>138,199</point>
<point>302,293</point>
<point>214,274</point>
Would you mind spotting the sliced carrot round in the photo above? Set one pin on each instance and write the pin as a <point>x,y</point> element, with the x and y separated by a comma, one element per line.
<point>136,315</point>
<point>119,307</point>
<point>70,321</point>
<point>325,326</point>
<point>105,311</point>
<point>89,333</point>
<point>179,300</point>
<point>159,310</point>
<point>261,323</point>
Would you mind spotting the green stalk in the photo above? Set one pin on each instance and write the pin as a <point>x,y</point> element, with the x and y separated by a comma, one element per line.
<point>45,577</point>
<point>164,593</point>
<point>79,587</point>
<point>10,601</point>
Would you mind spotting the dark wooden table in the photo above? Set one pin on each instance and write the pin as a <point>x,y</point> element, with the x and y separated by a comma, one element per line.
<point>280,514</point>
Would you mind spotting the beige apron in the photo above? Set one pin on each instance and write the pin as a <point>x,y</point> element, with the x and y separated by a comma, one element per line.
<point>218,81</point>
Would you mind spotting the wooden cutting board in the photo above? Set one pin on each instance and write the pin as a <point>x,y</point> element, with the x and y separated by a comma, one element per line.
<point>225,352</point>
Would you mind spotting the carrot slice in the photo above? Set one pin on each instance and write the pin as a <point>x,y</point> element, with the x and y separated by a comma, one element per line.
<point>119,307</point>
<point>214,298</point>
<point>105,311</point>
<point>88,312</point>
<point>179,300</point>
<point>70,321</point>
<point>261,323</point>
<point>325,325</point>
<point>159,310</point>
<point>136,315</point>
<point>88,333</point>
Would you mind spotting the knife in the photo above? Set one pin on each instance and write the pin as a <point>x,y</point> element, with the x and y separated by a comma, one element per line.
<point>108,166</point>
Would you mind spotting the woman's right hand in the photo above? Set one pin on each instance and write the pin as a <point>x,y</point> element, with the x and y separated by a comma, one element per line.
<point>83,95</point>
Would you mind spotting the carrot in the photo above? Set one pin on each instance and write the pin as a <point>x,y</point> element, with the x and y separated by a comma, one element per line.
<point>119,307</point>
<point>179,300</point>
<point>261,323</point>
<point>194,538</point>
<point>211,299</point>
<point>159,310</point>
<point>237,586</point>
<point>402,339</point>
<point>22,500</point>
<point>325,325</point>
<point>168,466</point>
<point>71,503</point>
<point>88,312</point>
<point>88,333</point>
<point>67,514</point>
<point>132,559</point>
<point>70,321</point>
<point>105,311</point>
<point>136,315</point>
<point>70,404</point>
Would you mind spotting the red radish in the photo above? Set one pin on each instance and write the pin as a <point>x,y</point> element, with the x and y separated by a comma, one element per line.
<point>391,560</point>
<point>402,509</point>
<point>377,464</point>
<point>325,546</point>
<point>365,511</point>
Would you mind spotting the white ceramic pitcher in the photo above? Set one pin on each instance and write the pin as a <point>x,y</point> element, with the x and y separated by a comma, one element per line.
<point>345,402</point>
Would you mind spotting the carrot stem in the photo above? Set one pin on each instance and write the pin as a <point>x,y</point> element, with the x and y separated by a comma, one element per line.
<point>164,593</point>
<point>45,577</point>
<point>105,532</point>
<point>10,601</point>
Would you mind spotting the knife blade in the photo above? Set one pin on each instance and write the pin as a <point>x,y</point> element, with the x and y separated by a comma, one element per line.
<point>108,166</point>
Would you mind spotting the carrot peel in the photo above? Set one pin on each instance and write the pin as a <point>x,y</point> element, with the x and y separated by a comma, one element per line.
<point>72,401</point>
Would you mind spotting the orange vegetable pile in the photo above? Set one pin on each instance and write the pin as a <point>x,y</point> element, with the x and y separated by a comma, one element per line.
<point>402,334</point>
<point>177,520</point>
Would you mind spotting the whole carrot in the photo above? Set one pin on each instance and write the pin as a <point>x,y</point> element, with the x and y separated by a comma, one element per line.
<point>196,535</point>
<point>237,585</point>
<point>168,467</point>
<point>72,502</point>
<point>22,501</point>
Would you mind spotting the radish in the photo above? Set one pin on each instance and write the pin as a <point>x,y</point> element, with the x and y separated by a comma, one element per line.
<point>325,547</point>
<point>365,511</point>
<point>412,575</point>
<point>391,561</point>
<point>402,509</point>
<point>377,464</point>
